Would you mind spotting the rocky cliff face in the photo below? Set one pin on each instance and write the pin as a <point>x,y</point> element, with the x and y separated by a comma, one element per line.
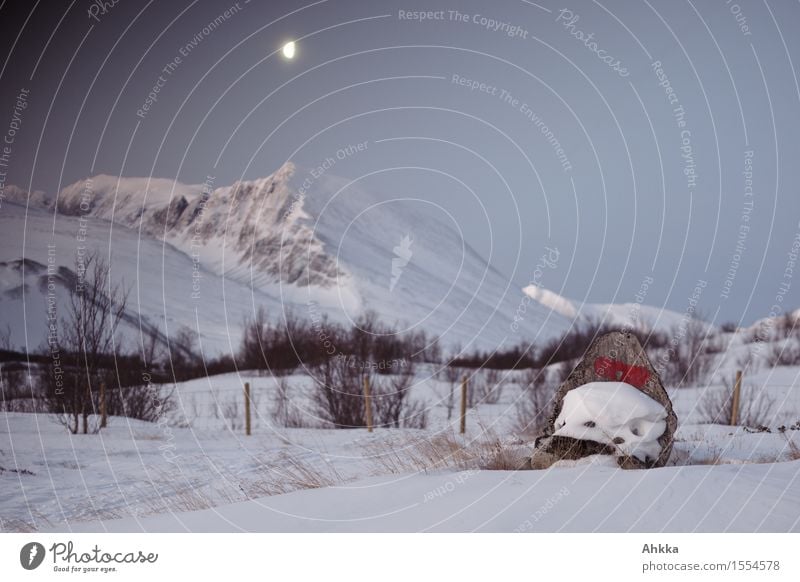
<point>252,230</point>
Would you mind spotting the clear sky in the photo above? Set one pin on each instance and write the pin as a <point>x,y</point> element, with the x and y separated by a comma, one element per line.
<point>643,140</point>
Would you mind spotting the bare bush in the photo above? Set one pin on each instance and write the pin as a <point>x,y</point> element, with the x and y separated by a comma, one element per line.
<point>284,346</point>
<point>573,344</point>
<point>755,406</point>
<point>84,339</point>
<point>16,392</point>
<point>786,353</point>
<point>278,347</point>
<point>787,326</point>
<point>489,387</point>
<point>284,412</point>
<point>229,411</point>
<point>143,402</point>
<point>339,393</point>
<point>414,415</point>
<point>688,360</point>
<point>535,403</point>
<point>5,338</point>
<point>339,396</point>
<point>746,362</point>
<point>185,361</point>
<point>452,376</point>
<point>390,398</point>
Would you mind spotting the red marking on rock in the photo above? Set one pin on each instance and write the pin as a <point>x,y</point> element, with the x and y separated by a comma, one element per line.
<point>621,372</point>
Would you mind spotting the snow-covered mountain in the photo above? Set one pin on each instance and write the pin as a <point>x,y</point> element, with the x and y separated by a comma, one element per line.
<point>190,249</point>
<point>206,256</point>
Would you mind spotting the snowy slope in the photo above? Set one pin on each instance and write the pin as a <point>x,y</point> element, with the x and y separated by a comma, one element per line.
<point>628,315</point>
<point>161,281</point>
<point>725,498</point>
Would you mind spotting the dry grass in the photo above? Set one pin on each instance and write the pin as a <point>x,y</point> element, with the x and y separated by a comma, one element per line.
<point>688,455</point>
<point>446,451</point>
<point>794,448</point>
<point>289,474</point>
<point>16,525</point>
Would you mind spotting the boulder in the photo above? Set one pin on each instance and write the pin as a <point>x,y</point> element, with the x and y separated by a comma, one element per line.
<point>614,357</point>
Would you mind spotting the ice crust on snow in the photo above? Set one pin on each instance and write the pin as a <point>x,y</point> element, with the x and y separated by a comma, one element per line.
<point>614,413</point>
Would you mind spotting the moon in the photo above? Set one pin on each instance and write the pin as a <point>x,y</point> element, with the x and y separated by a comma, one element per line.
<point>288,50</point>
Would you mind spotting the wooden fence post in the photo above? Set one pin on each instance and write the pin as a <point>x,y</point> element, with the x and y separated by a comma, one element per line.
<point>463,404</point>
<point>737,390</point>
<point>247,408</point>
<point>103,415</point>
<point>368,403</point>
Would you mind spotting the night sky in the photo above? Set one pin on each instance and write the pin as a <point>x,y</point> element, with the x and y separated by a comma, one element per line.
<point>643,140</point>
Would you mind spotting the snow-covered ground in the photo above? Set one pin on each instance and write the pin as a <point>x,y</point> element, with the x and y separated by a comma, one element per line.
<point>197,471</point>
<point>730,498</point>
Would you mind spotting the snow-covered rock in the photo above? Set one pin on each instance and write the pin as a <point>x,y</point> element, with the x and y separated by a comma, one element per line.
<point>613,358</point>
<point>614,413</point>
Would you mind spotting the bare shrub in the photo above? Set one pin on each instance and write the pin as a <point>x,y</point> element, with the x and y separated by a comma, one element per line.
<point>414,415</point>
<point>284,412</point>
<point>535,403</point>
<point>5,338</point>
<point>339,394</point>
<point>489,388</point>
<point>16,392</point>
<point>714,345</point>
<point>391,404</point>
<point>562,371</point>
<point>746,362</point>
<point>787,326</point>
<point>688,361</point>
<point>283,346</point>
<point>278,347</point>
<point>572,345</point>
<point>452,376</point>
<point>785,353</point>
<point>84,340</point>
<point>229,410</point>
<point>143,402</point>
<point>389,396</point>
<point>755,406</point>
<point>185,361</point>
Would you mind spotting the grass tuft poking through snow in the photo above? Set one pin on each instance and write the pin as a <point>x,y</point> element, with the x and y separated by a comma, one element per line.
<point>447,451</point>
